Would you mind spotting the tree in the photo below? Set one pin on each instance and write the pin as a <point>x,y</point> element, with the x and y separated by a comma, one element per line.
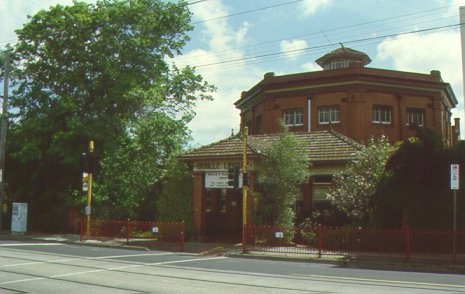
<point>283,169</point>
<point>101,72</point>
<point>414,190</point>
<point>354,188</point>
<point>174,203</point>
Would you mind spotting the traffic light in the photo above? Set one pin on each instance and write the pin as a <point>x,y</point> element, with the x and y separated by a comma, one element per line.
<point>89,163</point>
<point>233,177</point>
<point>85,182</point>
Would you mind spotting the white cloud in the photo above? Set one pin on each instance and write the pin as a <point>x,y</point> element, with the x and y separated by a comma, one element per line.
<point>311,66</point>
<point>309,7</point>
<point>293,49</point>
<point>14,15</point>
<point>215,119</point>
<point>425,52</point>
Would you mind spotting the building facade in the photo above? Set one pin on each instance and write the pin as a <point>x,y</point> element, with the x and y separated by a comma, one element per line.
<point>354,100</point>
<point>218,207</point>
<point>334,111</point>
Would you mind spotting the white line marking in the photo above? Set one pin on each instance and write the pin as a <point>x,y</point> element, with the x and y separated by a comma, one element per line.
<point>79,258</point>
<point>110,268</point>
<point>30,244</point>
<point>130,255</point>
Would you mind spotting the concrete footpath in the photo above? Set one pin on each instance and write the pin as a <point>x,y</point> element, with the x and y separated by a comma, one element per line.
<point>205,248</point>
<point>233,250</point>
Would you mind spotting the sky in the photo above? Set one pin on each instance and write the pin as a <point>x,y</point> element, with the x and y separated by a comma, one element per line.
<point>235,42</point>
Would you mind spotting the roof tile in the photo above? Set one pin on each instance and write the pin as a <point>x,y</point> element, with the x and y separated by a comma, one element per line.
<point>321,146</point>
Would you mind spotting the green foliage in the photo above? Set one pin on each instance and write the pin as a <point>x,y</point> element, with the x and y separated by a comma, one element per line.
<point>99,72</point>
<point>283,169</point>
<point>354,188</point>
<point>415,189</point>
<point>174,204</point>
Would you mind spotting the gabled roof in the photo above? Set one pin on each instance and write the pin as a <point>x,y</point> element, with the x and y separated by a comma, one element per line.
<point>321,146</point>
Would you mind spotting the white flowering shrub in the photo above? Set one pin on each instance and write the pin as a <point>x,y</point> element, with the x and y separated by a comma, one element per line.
<point>354,188</point>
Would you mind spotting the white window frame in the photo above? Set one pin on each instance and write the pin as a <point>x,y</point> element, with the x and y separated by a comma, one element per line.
<point>293,117</point>
<point>415,116</point>
<point>382,114</point>
<point>321,187</point>
<point>328,114</point>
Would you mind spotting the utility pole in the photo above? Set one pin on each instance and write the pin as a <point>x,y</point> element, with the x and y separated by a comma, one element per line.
<point>462,39</point>
<point>3,134</point>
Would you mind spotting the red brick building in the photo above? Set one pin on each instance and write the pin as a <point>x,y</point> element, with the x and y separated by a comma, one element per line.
<point>351,99</point>
<point>333,110</point>
<point>217,207</point>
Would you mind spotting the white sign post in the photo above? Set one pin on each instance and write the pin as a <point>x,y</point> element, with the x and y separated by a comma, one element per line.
<point>454,186</point>
<point>454,176</point>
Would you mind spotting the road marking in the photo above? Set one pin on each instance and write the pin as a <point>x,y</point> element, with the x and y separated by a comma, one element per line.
<point>22,281</point>
<point>384,281</point>
<point>109,269</point>
<point>80,258</point>
<point>130,255</point>
<point>30,244</point>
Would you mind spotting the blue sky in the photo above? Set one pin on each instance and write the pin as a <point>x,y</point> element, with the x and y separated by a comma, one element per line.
<point>236,42</point>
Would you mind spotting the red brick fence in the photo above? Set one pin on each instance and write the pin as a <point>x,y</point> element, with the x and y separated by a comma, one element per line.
<point>403,245</point>
<point>131,231</point>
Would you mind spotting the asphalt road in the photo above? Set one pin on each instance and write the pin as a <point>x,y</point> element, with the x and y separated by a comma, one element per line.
<point>65,268</point>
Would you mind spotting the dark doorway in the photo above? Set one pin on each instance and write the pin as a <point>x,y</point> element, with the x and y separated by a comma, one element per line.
<point>223,214</point>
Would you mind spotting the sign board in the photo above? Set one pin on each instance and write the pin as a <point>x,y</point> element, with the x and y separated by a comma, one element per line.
<point>279,235</point>
<point>19,217</point>
<point>454,176</point>
<point>219,179</point>
<point>218,166</point>
<point>87,210</point>
<point>154,230</point>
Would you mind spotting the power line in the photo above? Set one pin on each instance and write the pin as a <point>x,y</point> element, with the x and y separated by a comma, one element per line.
<point>341,28</point>
<point>247,11</point>
<point>324,46</point>
<point>196,2</point>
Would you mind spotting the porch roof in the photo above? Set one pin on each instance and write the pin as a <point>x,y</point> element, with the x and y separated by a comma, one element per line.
<point>321,146</point>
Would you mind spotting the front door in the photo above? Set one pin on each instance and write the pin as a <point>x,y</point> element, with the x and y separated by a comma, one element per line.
<point>223,214</point>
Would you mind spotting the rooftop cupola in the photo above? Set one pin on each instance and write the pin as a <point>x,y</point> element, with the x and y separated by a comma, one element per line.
<point>341,58</point>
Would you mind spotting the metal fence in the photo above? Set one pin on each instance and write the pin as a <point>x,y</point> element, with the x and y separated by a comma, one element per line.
<point>131,231</point>
<point>402,245</point>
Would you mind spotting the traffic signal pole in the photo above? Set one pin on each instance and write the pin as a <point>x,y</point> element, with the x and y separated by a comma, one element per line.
<point>244,190</point>
<point>89,193</point>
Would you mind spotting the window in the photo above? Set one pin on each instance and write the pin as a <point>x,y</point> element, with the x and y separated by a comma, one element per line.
<point>321,187</point>
<point>293,117</point>
<point>415,117</point>
<point>328,114</point>
<point>382,114</point>
<point>336,64</point>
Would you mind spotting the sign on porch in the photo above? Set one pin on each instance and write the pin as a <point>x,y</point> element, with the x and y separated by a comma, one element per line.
<point>220,165</point>
<point>218,179</point>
